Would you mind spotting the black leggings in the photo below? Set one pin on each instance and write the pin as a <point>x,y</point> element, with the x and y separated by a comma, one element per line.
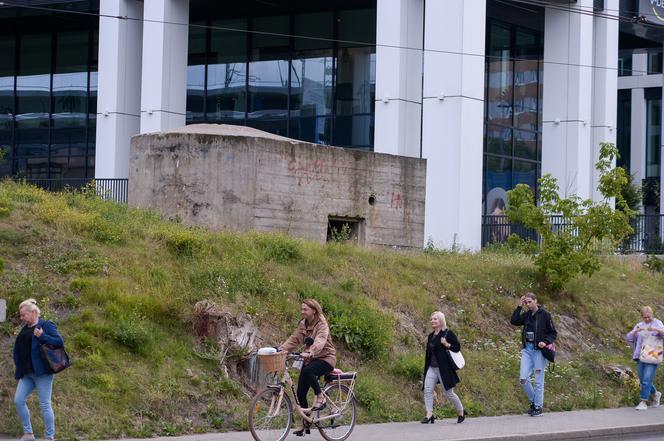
<point>309,378</point>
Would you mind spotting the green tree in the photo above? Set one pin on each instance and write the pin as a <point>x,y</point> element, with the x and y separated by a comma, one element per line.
<point>566,252</point>
<point>632,193</point>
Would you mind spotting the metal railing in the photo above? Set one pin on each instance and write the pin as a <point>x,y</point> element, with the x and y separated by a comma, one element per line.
<point>648,236</point>
<point>110,189</point>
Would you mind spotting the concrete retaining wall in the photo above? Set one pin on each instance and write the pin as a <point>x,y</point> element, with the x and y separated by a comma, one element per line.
<point>239,178</point>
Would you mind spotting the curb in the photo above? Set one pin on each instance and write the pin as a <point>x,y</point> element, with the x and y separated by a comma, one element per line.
<point>598,434</point>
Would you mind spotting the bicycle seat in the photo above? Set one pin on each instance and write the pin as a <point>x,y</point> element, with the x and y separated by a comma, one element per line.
<point>338,374</point>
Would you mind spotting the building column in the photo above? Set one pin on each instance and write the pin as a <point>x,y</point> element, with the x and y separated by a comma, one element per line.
<point>568,97</point>
<point>399,25</point>
<point>638,118</point>
<point>605,87</point>
<point>119,85</point>
<point>453,121</point>
<point>164,84</point>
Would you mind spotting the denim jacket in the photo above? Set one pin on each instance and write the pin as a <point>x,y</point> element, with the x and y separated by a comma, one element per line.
<point>50,336</point>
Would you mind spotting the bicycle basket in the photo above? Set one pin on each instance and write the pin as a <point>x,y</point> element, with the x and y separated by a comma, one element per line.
<point>272,362</point>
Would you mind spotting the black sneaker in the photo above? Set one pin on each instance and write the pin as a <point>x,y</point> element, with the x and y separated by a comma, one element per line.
<point>537,412</point>
<point>532,409</point>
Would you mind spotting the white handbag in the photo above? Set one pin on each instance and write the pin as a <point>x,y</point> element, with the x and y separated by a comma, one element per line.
<point>457,359</point>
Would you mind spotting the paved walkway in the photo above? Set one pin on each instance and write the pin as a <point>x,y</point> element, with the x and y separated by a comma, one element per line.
<point>554,426</point>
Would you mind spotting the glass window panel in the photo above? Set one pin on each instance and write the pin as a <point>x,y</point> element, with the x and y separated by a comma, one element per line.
<point>278,127</point>
<point>356,81</point>
<point>70,82</point>
<point>525,173</point>
<point>525,144</point>
<point>92,100</point>
<point>499,77</point>
<point>318,27</point>
<point>227,73</point>
<point>91,165</point>
<point>32,142</point>
<point>624,129</point>
<point>354,131</point>
<point>195,93</point>
<point>526,45</point>
<point>653,137</point>
<point>317,130</point>
<point>68,142</point>
<point>67,167</point>
<point>7,72</point>
<point>498,181</point>
<point>526,92</point>
<point>311,83</point>
<point>267,45</point>
<point>34,82</point>
<point>71,52</point>
<point>268,89</point>
<point>32,168</point>
<point>499,140</point>
<point>352,34</point>
<point>625,62</point>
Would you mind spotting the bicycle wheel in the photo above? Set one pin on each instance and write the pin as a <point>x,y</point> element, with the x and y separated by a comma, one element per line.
<point>269,417</point>
<point>340,402</point>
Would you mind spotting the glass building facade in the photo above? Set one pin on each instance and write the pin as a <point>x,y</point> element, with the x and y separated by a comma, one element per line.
<point>250,69</point>
<point>48,88</point>
<point>513,111</point>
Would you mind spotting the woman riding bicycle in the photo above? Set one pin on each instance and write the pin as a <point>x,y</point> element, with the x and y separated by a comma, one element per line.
<point>319,357</point>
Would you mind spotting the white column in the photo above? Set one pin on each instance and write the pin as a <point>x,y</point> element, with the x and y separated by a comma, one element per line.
<point>568,97</point>
<point>398,77</point>
<point>605,86</point>
<point>164,85</point>
<point>119,85</point>
<point>638,118</point>
<point>453,121</point>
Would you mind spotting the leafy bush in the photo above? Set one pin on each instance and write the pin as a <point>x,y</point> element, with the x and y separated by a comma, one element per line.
<point>181,241</point>
<point>5,207</point>
<point>409,367</point>
<point>654,263</point>
<point>568,251</point>
<point>133,333</point>
<point>279,248</point>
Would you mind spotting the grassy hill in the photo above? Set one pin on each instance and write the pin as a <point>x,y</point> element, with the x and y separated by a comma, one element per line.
<point>121,284</point>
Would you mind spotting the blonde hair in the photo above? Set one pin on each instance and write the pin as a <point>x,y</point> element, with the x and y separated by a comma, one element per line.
<point>531,295</point>
<point>30,305</point>
<point>647,309</point>
<point>313,304</point>
<point>441,319</point>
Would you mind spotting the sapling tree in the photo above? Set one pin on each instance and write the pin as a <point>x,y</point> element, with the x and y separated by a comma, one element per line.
<point>570,250</point>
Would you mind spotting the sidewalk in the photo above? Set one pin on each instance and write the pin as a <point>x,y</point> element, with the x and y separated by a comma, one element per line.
<point>558,426</point>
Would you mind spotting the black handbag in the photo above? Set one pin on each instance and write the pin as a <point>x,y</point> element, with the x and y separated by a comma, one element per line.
<point>55,358</point>
<point>549,352</point>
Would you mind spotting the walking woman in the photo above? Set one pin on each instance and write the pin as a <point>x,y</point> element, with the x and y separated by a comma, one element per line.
<point>649,326</point>
<point>438,367</point>
<point>31,372</point>
<point>319,358</point>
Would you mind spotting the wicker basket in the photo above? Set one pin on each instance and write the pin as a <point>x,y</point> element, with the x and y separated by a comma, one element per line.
<point>273,362</point>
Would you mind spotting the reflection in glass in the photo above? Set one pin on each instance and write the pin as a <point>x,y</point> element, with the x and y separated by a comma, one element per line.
<point>195,93</point>
<point>525,144</point>
<point>624,128</point>
<point>354,131</point>
<point>6,83</point>
<point>498,174</point>
<point>33,86</point>
<point>312,129</point>
<point>653,136</point>
<point>499,77</point>
<point>524,173</point>
<point>227,72</point>
<point>70,80</point>
<point>498,140</point>
<point>311,84</point>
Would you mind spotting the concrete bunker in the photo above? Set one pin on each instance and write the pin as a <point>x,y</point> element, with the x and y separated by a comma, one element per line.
<point>239,178</point>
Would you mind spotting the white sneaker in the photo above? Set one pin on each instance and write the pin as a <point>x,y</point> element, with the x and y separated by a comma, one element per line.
<point>656,399</point>
<point>642,406</point>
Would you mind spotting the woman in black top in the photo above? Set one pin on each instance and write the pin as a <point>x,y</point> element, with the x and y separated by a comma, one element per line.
<point>438,367</point>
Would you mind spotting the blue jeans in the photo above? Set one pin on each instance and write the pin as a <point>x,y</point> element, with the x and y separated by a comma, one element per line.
<point>646,373</point>
<point>532,360</point>
<point>44,386</point>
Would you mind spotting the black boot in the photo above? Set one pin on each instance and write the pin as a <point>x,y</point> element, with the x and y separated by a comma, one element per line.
<point>460,418</point>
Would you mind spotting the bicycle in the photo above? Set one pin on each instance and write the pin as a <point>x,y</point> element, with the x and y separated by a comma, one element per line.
<point>271,410</point>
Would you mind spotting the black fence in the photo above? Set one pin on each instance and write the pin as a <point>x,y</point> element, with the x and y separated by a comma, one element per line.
<point>107,188</point>
<point>648,236</point>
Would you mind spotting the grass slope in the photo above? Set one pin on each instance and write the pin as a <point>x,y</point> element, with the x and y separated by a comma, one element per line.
<point>121,284</point>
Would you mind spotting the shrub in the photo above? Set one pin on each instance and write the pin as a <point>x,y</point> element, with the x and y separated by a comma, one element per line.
<point>566,252</point>
<point>5,207</point>
<point>279,248</point>
<point>409,367</point>
<point>653,263</point>
<point>181,241</point>
<point>133,333</point>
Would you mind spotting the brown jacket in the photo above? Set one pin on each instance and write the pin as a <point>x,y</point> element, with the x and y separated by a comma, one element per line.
<point>322,348</point>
